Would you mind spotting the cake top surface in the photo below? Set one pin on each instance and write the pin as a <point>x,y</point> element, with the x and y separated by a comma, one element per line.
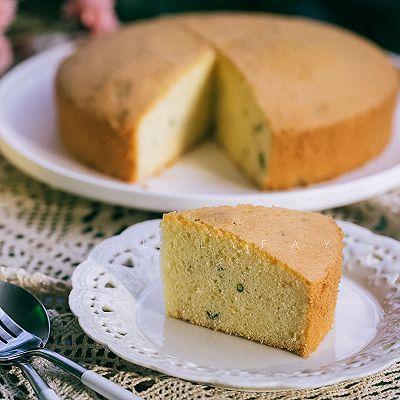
<point>304,74</point>
<point>119,76</point>
<point>309,244</point>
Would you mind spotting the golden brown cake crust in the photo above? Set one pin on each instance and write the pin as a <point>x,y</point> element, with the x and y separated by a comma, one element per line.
<point>322,298</point>
<point>307,243</point>
<point>327,152</point>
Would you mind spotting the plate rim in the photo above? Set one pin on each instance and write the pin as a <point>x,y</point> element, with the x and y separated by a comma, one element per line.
<point>351,374</point>
<point>110,190</point>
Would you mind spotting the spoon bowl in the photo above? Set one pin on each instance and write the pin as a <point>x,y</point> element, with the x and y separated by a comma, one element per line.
<point>26,310</point>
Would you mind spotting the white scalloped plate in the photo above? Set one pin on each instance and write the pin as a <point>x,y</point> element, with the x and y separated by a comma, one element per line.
<point>204,177</point>
<point>117,296</point>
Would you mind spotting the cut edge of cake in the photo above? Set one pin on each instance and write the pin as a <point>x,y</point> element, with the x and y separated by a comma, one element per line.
<point>178,120</point>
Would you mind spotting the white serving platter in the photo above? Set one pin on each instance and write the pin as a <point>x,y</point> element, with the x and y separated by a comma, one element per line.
<point>205,176</point>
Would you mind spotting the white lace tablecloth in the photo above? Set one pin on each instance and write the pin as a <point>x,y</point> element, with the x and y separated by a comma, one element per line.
<point>45,234</point>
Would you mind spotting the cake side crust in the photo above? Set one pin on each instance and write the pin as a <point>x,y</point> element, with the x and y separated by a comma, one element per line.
<point>94,141</point>
<point>303,158</point>
<point>321,311</point>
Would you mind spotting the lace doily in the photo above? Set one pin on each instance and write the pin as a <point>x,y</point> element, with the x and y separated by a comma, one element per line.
<point>45,234</point>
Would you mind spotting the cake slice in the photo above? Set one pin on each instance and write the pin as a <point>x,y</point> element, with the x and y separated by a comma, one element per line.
<point>266,274</point>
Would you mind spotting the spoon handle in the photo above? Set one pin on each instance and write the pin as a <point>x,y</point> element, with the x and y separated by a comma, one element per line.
<point>96,382</point>
<point>41,388</point>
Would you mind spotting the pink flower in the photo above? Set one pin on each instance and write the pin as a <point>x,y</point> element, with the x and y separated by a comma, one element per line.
<point>6,56</point>
<point>7,13</point>
<point>98,15</point>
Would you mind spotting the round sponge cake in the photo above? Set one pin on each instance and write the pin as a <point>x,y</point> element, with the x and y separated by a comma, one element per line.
<point>292,101</point>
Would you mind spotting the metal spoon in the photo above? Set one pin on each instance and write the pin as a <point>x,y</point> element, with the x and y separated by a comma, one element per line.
<point>26,319</point>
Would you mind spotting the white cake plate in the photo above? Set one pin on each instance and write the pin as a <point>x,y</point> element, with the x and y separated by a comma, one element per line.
<point>29,140</point>
<point>117,297</point>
